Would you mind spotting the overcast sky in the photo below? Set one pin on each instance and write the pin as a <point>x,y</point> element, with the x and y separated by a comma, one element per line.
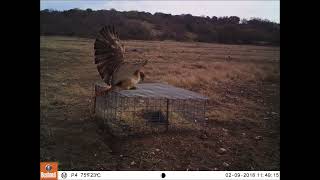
<point>265,9</point>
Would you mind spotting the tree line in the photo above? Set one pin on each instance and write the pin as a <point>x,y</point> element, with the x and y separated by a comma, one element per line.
<point>160,26</point>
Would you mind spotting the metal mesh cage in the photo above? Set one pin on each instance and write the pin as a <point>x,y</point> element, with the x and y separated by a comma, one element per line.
<point>151,107</point>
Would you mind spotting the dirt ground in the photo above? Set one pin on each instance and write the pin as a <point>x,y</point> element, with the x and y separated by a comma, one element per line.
<point>242,82</point>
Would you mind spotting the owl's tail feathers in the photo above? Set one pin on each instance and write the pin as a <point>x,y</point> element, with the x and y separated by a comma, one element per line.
<point>101,91</point>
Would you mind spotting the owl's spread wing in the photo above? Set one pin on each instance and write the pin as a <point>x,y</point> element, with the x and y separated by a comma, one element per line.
<point>109,53</point>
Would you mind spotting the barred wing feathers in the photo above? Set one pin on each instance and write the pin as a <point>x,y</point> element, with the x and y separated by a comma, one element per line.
<point>109,57</point>
<point>109,53</point>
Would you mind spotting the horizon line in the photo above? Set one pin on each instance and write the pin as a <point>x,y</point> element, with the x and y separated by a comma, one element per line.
<point>62,10</point>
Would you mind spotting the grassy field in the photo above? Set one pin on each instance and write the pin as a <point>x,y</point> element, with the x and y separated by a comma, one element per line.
<point>242,82</point>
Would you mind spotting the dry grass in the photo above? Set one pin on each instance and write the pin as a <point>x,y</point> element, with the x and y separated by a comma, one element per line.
<point>243,90</point>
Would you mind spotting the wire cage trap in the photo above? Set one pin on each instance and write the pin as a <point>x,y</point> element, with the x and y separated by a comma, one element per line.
<point>150,107</point>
